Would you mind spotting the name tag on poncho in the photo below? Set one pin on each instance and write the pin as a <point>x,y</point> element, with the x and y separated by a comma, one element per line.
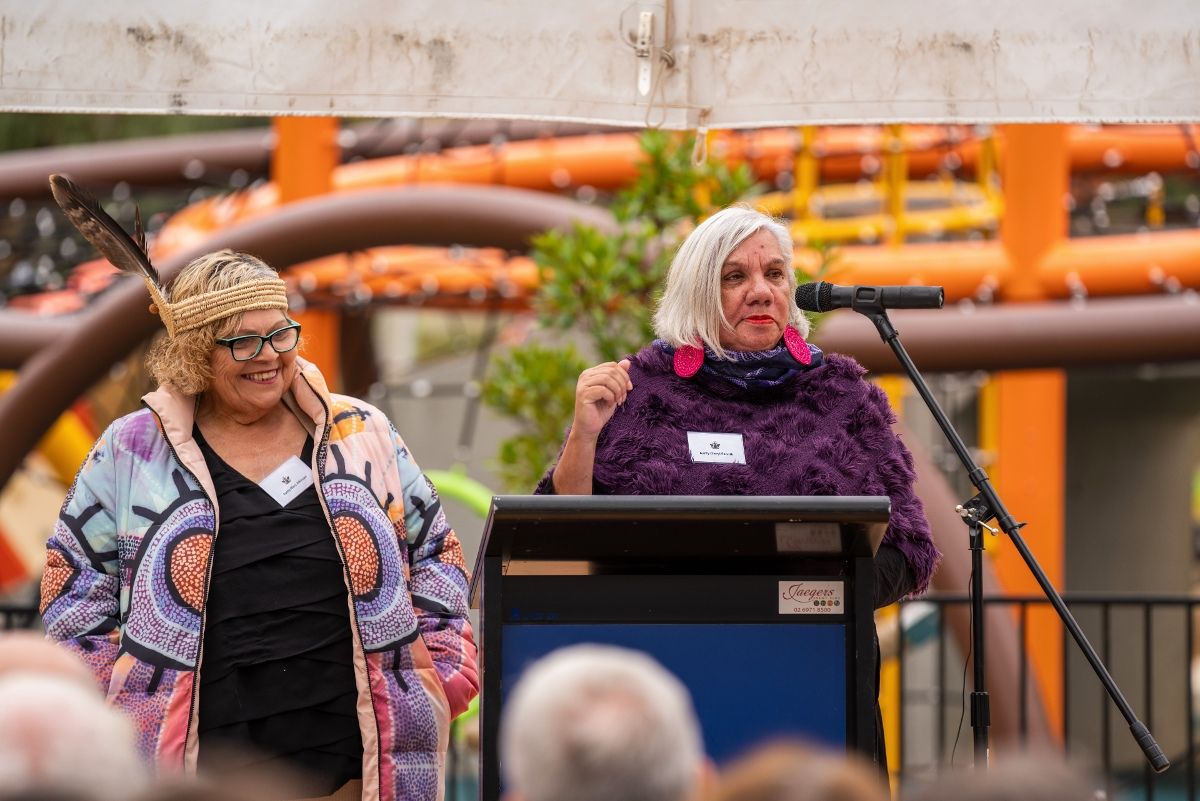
<point>719,448</point>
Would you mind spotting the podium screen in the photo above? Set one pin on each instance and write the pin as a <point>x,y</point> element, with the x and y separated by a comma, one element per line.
<point>749,682</point>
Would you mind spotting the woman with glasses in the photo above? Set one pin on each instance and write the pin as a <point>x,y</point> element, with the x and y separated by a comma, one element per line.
<point>255,569</point>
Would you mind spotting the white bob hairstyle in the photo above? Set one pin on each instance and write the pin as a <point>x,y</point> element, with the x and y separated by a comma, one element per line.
<point>690,308</point>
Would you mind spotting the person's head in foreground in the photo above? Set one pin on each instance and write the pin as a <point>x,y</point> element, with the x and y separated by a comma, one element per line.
<point>731,286</point>
<point>600,723</point>
<point>791,771</point>
<point>24,652</point>
<point>1020,777</point>
<point>57,736</point>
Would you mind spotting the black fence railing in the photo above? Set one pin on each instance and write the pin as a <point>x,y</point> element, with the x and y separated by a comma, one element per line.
<point>1147,642</point>
<point>17,616</point>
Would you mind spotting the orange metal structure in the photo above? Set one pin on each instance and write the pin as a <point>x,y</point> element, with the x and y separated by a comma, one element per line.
<point>1024,419</point>
<point>305,156</point>
<point>1013,271</point>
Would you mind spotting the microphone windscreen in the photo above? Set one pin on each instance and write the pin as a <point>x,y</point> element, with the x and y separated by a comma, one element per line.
<point>813,296</point>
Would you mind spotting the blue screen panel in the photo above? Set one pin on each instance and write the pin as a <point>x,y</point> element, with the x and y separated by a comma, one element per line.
<point>749,682</point>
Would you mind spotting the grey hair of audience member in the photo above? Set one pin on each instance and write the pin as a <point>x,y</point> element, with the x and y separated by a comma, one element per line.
<point>600,723</point>
<point>31,652</point>
<point>1019,777</point>
<point>59,737</point>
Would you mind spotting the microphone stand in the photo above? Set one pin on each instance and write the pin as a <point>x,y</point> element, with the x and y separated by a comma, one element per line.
<point>976,513</point>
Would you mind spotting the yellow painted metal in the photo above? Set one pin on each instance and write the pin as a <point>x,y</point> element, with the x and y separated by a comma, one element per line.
<point>806,173</point>
<point>895,387</point>
<point>65,445</point>
<point>895,176</point>
<point>1156,215</point>
<point>987,173</point>
<point>889,694</point>
<point>966,210</point>
<point>989,435</point>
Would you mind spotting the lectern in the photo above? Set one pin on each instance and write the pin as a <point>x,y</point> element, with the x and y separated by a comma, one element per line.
<point>762,606</point>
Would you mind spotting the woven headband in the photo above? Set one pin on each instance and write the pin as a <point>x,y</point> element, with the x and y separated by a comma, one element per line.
<point>208,307</point>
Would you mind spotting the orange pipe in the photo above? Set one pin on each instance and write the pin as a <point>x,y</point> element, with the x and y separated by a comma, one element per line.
<point>1036,169</point>
<point>600,160</point>
<point>407,271</point>
<point>1030,474</point>
<point>608,161</point>
<point>1031,406</point>
<point>1101,266</point>
<point>963,268</point>
<point>302,164</point>
<point>1122,265</point>
<point>1132,149</point>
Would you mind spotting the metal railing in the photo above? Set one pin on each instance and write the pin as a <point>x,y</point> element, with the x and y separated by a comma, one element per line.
<point>17,616</point>
<point>1147,642</point>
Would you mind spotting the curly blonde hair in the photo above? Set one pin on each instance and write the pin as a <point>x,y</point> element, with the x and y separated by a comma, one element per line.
<point>184,361</point>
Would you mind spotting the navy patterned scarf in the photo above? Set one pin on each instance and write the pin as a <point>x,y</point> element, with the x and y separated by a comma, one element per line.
<point>752,369</point>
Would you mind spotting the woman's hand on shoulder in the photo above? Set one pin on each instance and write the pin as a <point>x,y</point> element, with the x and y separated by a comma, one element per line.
<point>598,393</point>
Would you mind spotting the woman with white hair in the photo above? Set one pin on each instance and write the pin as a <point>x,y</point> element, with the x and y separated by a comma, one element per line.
<point>732,400</point>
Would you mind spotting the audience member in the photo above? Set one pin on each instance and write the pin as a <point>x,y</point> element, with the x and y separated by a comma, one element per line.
<point>30,652</point>
<point>1023,777</point>
<point>58,739</point>
<point>791,771</point>
<point>600,723</point>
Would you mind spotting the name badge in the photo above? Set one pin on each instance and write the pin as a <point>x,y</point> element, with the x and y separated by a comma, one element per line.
<point>288,480</point>
<point>719,448</point>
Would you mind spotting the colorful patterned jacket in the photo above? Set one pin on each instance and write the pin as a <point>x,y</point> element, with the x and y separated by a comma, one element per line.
<point>127,573</point>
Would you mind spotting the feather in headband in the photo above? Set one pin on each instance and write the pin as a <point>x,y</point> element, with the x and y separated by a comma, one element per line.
<point>128,254</point>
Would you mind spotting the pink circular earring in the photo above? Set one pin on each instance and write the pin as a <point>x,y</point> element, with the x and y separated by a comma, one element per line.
<point>795,345</point>
<point>688,360</point>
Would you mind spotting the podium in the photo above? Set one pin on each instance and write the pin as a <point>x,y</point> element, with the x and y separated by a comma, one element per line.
<point>762,606</point>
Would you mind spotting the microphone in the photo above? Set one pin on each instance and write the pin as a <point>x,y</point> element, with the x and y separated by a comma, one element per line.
<point>821,296</point>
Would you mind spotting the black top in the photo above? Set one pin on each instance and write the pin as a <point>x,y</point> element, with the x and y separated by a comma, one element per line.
<point>277,680</point>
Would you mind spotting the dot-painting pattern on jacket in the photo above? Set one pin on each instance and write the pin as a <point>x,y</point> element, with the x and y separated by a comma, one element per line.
<point>373,558</point>
<point>167,590</point>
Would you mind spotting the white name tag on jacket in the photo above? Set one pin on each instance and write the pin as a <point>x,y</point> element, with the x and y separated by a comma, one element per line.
<point>288,480</point>
<point>722,448</point>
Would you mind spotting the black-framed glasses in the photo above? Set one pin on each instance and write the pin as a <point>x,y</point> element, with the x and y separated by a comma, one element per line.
<point>248,346</point>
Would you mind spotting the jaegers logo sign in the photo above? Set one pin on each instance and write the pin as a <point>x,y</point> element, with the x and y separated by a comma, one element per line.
<point>812,597</point>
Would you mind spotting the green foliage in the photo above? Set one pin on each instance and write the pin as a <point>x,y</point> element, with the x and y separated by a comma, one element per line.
<point>599,288</point>
<point>535,385</point>
<point>18,131</point>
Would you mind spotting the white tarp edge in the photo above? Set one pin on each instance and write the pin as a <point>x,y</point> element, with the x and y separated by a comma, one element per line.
<point>735,63</point>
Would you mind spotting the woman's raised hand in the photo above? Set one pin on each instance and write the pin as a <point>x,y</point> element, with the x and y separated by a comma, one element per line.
<point>598,392</point>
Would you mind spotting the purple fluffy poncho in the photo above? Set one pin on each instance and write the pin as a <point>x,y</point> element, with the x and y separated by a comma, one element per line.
<point>825,432</point>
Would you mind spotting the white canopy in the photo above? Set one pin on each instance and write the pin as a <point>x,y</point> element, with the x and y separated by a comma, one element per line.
<point>716,63</point>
